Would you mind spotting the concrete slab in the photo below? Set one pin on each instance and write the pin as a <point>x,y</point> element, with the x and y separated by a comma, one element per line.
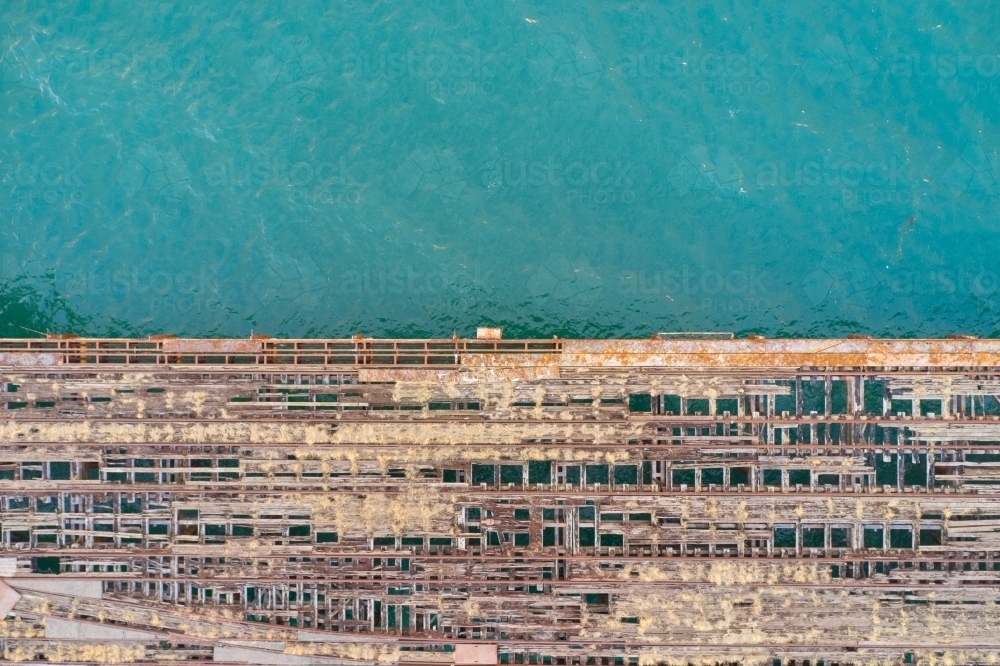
<point>58,628</point>
<point>318,636</point>
<point>277,646</point>
<point>8,599</point>
<point>474,654</point>
<point>85,589</point>
<point>248,655</point>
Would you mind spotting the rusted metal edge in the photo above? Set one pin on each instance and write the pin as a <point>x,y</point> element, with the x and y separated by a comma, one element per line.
<point>193,346</point>
<point>471,375</point>
<point>664,353</point>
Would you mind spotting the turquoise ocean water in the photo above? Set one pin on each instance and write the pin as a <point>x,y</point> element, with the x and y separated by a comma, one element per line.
<point>594,169</point>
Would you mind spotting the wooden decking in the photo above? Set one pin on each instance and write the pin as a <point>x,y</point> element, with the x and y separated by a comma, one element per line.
<point>486,500</point>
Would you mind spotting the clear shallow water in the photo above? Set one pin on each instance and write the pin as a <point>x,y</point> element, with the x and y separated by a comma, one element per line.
<point>211,169</point>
